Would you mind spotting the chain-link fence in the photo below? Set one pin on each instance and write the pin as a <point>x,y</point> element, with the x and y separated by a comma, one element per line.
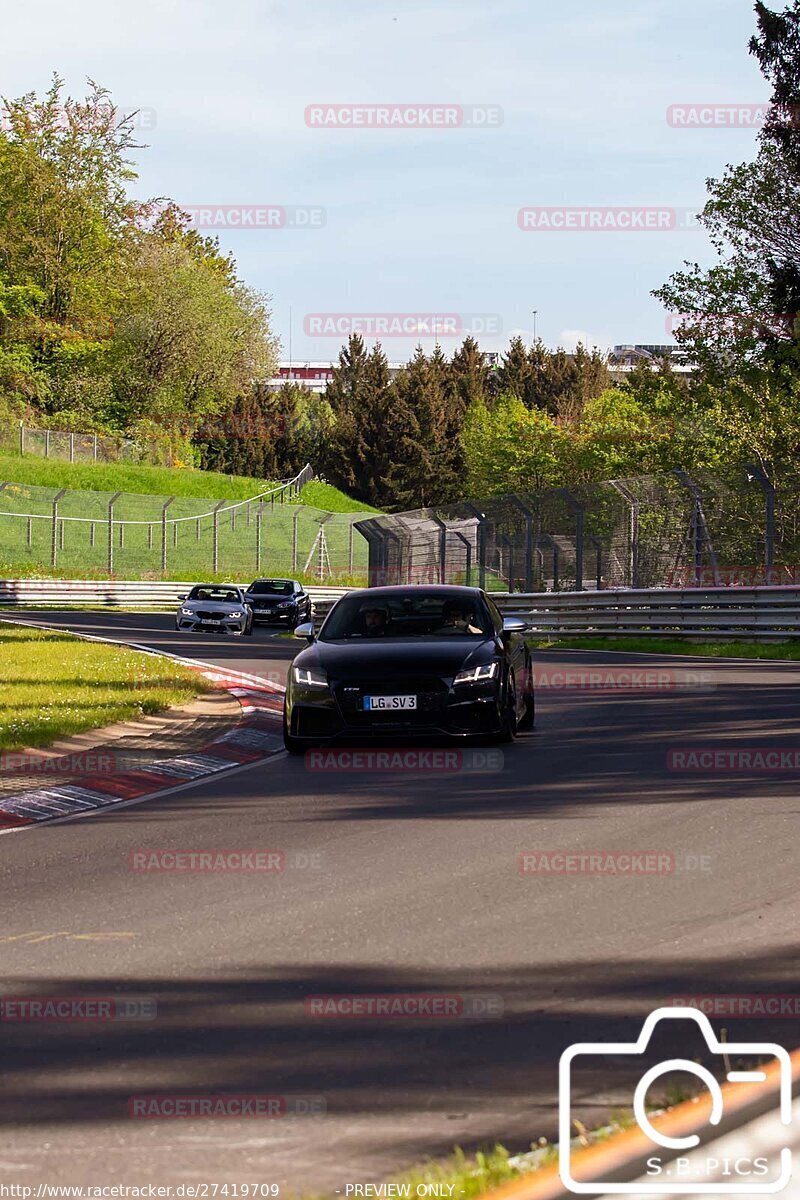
<point>719,529</point>
<point>89,534</point>
<point>69,447</point>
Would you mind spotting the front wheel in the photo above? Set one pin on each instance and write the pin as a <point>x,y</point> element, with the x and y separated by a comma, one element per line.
<point>508,729</point>
<point>528,718</point>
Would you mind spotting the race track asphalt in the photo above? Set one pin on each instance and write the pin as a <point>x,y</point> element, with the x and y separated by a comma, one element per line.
<point>397,884</point>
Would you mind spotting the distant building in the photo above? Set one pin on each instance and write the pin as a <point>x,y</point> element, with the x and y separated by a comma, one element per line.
<point>623,359</point>
<point>317,375</point>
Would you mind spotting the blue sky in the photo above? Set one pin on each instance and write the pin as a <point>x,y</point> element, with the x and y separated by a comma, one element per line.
<point>421,222</point>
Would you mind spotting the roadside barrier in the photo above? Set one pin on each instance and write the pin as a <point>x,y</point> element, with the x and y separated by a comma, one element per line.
<point>751,613</point>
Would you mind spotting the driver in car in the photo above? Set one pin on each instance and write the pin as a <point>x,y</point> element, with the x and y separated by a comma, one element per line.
<point>456,619</point>
<point>374,621</point>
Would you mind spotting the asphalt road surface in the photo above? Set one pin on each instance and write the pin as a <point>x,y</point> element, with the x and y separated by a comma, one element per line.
<point>397,885</point>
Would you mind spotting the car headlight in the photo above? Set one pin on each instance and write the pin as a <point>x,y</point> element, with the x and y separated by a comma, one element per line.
<point>237,612</point>
<point>187,612</point>
<point>309,678</point>
<point>477,674</point>
<point>285,604</point>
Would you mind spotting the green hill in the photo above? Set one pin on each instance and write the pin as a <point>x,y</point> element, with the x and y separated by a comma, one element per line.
<point>279,541</point>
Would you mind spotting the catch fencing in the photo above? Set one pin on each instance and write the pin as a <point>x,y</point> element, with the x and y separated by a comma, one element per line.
<point>85,533</point>
<point>69,446</point>
<point>738,529</point>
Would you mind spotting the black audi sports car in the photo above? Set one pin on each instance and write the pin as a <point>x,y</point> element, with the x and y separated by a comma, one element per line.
<point>283,600</point>
<point>417,660</point>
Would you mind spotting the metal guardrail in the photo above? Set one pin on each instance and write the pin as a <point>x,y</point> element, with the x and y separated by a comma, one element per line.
<point>115,593</point>
<point>760,613</point>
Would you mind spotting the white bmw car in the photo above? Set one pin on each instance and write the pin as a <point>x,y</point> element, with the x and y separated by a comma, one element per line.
<point>215,608</point>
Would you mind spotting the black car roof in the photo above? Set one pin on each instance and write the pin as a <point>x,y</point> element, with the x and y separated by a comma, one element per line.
<point>428,589</point>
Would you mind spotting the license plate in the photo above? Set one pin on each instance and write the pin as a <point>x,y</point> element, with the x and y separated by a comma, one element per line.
<point>392,703</point>
<point>210,624</point>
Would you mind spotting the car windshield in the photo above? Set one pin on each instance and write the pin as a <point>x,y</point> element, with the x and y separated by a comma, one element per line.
<point>413,614</point>
<point>271,587</point>
<point>215,594</point>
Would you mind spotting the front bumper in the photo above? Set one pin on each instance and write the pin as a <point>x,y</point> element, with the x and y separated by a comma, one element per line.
<point>223,624</point>
<point>442,711</point>
<point>289,616</point>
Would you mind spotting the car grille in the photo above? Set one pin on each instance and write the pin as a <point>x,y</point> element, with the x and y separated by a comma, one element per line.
<point>431,696</point>
<point>208,616</point>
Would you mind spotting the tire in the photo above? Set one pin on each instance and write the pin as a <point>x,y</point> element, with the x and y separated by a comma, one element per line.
<point>291,744</point>
<point>509,728</point>
<point>249,628</point>
<point>528,718</point>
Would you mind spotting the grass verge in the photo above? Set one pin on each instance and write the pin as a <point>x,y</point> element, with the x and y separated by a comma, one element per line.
<point>119,477</point>
<point>325,496</point>
<point>789,649</point>
<point>53,685</point>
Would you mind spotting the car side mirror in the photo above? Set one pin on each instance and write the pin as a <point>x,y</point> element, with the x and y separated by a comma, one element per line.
<point>513,625</point>
<point>306,630</point>
<point>182,596</point>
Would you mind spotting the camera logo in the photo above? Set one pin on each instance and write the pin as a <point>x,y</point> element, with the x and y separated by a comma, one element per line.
<point>753,1177</point>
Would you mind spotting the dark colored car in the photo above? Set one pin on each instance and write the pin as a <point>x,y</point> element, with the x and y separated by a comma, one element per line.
<point>417,660</point>
<point>279,600</point>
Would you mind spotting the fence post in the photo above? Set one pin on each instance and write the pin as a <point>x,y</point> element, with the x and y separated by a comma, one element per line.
<point>259,521</point>
<point>468,567</point>
<point>54,537</point>
<point>164,508</point>
<point>699,534</point>
<point>528,515</point>
<point>481,518</point>
<point>295,515</point>
<point>350,549</point>
<point>72,447</point>
<point>442,527</point>
<point>633,529</point>
<point>579,513</point>
<point>30,532</point>
<point>21,438</point>
<point>111,504</point>
<point>215,538</point>
<point>503,537</point>
<point>95,448</point>
<point>757,474</point>
<point>47,443</point>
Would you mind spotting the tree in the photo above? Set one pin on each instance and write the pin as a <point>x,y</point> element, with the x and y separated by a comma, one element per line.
<point>191,339</point>
<point>368,424</point>
<point>740,316</point>
<point>512,448</point>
